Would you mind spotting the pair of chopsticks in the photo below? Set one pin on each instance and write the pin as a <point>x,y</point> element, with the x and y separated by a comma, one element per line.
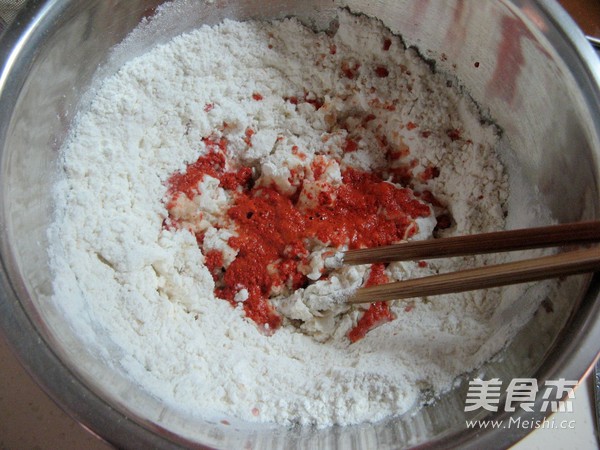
<point>562,264</point>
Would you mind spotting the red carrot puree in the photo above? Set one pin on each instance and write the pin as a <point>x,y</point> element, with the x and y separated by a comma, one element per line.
<point>276,234</point>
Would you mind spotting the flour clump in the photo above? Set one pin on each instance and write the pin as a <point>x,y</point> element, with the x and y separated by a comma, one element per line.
<point>209,187</point>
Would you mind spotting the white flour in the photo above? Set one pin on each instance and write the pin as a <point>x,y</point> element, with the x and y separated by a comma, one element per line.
<point>119,271</point>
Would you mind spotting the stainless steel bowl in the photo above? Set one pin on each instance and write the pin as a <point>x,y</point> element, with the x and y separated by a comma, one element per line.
<point>535,74</point>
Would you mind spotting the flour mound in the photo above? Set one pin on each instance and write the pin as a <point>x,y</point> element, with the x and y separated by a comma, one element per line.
<point>147,286</point>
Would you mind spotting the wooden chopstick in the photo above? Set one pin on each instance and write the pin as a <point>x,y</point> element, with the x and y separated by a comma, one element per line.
<point>567,263</point>
<point>500,241</point>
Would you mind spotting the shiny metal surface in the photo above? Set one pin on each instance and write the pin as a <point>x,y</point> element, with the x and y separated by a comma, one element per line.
<point>596,376</point>
<point>536,76</point>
